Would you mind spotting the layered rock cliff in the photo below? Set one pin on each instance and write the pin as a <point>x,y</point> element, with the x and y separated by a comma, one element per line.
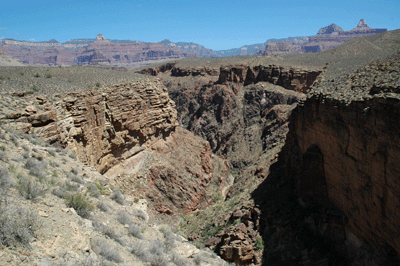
<point>129,133</point>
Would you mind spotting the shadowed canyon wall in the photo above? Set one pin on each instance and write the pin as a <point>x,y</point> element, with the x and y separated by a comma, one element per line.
<point>343,148</point>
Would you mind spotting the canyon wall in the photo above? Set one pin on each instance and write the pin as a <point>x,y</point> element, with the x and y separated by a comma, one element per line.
<point>343,149</point>
<point>98,51</point>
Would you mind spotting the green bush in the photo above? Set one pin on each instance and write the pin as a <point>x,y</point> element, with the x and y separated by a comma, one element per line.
<point>259,243</point>
<point>82,204</point>
<point>48,76</point>
<point>37,75</point>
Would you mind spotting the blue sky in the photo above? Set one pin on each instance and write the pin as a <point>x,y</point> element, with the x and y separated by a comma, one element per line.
<point>215,24</point>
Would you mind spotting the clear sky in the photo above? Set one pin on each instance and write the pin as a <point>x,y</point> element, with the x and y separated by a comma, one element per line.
<point>218,25</point>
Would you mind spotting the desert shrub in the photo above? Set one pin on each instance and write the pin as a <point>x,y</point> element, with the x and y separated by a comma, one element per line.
<point>52,152</point>
<point>14,140</point>
<point>26,155</point>
<point>80,203</point>
<point>178,260</point>
<point>17,225</point>
<point>37,75</point>
<point>157,254</point>
<point>86,260</point>
<point>74,171</point>
<point>118,197</point>
<point>77,179</point>
<point>105,249</point>
<point>135,231</point>
<point>65,189</point>
<point>259,243</point>
<point>140,214</point>
<point>5,181</point>
<point>93,191</point>
<point>29,188</point>
<point>105,229</point>
<point>54,164</point>
<point>104,206</point>
<point>48,76</point>
<point>3,156</point>
<point>26,148</point>
<point>123,218</point>
<point>100,187</point>
<point>35,167</point>
<point>152,253</point>
<point>97,84</point>
<point>169,240</point>
<point>197,259</point>
<point>59,192</point>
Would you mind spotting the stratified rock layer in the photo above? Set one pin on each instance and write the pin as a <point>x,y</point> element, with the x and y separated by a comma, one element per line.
<point>105,125</point>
